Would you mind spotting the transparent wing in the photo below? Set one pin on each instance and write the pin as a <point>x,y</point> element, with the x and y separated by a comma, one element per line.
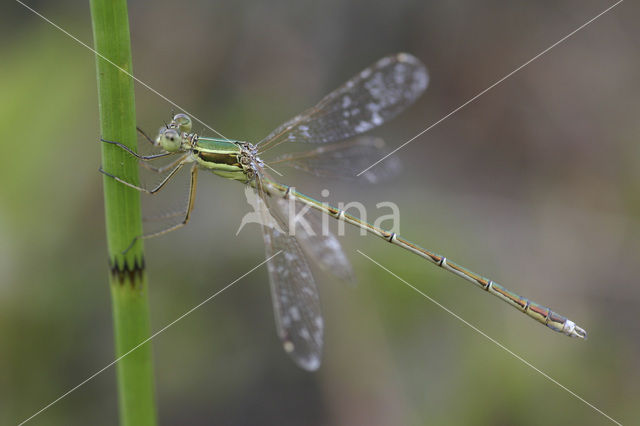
<point>344,160</point>
<point>316,240</point>
<point>372,97</point>
<point>294,294</point>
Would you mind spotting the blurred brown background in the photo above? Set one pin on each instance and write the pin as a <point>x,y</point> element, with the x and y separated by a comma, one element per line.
<point>535,185</point>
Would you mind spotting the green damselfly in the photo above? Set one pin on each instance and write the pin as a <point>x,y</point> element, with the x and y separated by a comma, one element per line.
<point>335,124</point>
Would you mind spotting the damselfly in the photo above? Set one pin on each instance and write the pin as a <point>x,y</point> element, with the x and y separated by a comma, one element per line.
<point>367,100</point>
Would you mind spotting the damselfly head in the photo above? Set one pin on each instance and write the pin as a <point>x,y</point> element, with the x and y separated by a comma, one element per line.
<point>183,122</point>
<point>169,139</point>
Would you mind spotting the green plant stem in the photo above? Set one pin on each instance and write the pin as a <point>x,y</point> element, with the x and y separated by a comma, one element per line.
<point>128,279</point>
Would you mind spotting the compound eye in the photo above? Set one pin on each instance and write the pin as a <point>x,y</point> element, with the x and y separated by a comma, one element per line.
<point>170,140</point>
<point>183,121</point>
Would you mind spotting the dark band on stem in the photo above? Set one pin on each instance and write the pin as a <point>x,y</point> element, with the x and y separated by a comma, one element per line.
<point>123,271</point>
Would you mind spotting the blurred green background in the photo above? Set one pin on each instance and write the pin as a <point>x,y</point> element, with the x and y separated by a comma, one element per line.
<point>535,185</point>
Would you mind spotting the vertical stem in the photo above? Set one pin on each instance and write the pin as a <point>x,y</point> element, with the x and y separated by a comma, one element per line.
<point>128,279</point>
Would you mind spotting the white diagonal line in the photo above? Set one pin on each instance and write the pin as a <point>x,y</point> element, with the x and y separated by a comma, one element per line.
<point>518,357</point>
<point>147,339</point>
<point>493,85</point>
<point>272,169</point>
<point>122,69</point>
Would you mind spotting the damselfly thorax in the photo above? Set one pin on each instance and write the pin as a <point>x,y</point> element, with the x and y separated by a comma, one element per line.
<point>234,160</point>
